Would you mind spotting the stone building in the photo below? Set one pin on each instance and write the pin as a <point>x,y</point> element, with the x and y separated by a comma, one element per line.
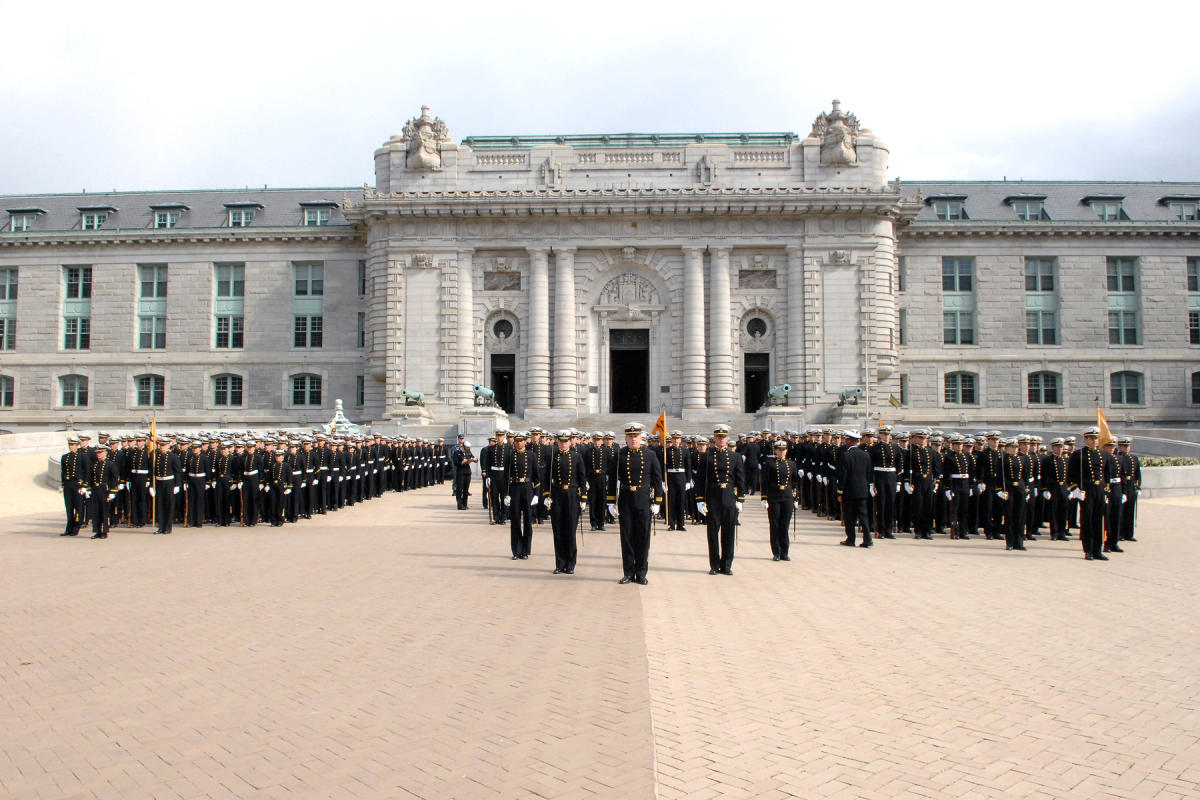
<point>583,276</point>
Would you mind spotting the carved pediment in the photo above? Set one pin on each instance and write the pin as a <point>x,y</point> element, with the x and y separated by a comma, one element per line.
<point>629,288</point>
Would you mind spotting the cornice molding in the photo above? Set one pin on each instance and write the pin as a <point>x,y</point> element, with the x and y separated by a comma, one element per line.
<point>178,237</point>
<point>1047,229</point>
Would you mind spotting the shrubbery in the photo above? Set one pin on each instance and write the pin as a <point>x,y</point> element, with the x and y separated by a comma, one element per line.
<point>1169,461</point>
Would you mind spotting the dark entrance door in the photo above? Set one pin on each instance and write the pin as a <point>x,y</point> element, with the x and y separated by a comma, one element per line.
<point>757,378</point>
<point>629,371</point>
<point>504,379</point>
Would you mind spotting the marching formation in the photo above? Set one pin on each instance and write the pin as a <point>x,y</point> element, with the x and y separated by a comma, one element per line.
<point>877,484</point>
<point>206,479</point>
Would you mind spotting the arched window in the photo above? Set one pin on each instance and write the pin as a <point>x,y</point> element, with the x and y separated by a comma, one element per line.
<point>306,390</point>
<point>961,388</point>
<point>151,390</point>
<point>74,391</point>
<point>1044,388</point>
<point>1126,388</point>
<point>227,390</point>
<point>6,391</point>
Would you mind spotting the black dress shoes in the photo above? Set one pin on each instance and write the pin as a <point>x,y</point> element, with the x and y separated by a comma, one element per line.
<point>1101,557</point>
<point>68,533</point>
<point>625,579</point>
<point>712,572</point>
<point>727,571</point>
<point>846,542</point>
<point>867,544</point>
<point>887,536</point>
<point>514,558</point>
<point>99,535</point>
<point>569,571</point>
<point>785,558</point>
<point>1087,557</point>
<point>774,558</point>
<point>1113,549</point>
<point>642,581</point>
<point>558,572</point>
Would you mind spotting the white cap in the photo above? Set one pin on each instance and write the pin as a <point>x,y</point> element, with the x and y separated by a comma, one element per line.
<point>466,443</point>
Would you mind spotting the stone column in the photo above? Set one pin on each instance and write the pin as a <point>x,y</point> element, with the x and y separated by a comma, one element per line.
<point>793,362</point>
<point>537,360</point>
<point>693,369</point>
<point>566,376</point>
<point>463,371</point>
<point>720,340</point>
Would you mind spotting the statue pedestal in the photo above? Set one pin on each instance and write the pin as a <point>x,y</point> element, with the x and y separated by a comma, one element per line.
<point>477,424</point>
<point>780,418</point>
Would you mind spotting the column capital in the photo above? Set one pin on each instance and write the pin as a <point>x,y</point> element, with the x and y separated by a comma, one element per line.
<point>467,252</point>
<point>693,249</point>
<point>721,250</point>
<point>537,250</point>
<point>794,250</point>
<point>569,249</point>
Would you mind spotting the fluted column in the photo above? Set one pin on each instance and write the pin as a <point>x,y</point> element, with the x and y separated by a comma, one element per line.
<point>566,375</point>
<point>794,360</point>
<point>720,357</point>
<point>693,328</point>
<point>537,361</point>
<point>464,373</point>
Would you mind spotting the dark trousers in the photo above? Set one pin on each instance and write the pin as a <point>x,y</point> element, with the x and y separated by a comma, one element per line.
<point>564,516</point>
<point>676,497</point>
<point>779,516</point>
<point>195,502</point>
<point>250,501</point>
<point>1128,511</point>
<point>1014,529</point>
<point>521,521</point>
<point>73,503</point>
<point>139,501</point>
<point>164,506</point>
<point>597,498</point>
<point>1056,511</point>
<point>1091,520</point>
<point>633,515</point>
<point>1112,519</point>
<point>957,511</point>
<point>885,501</point>
<point>496,493</point>
<point>722,519</point>
<point>462,486</point>
<point>922,505</point>
<point>100,508</point>
<point>276,503</point>
<point>854,513</point>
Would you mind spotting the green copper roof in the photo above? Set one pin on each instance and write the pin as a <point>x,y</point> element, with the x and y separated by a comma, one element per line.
<point>630,140</point>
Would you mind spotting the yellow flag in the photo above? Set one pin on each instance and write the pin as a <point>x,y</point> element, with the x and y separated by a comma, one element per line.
<point>892,399</point>
<point>660,427</point>
<point>1106,436</point>
<point>154,434</point>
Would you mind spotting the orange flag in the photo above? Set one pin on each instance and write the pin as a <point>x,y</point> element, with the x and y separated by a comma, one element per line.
<point>660,427</point>
<point>1106,436</point>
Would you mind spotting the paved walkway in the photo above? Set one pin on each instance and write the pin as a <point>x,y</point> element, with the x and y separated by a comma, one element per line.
<point>393,650</point>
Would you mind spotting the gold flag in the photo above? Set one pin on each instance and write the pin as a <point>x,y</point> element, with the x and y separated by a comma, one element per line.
<point>892,399</point>
<point>660,427</point>
<point>1106,436</point>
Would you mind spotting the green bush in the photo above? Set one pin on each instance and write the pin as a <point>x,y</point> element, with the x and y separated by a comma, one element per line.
<point>1169,461</point>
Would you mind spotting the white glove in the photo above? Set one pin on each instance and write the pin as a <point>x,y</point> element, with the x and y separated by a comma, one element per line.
<point>764,503</point>
<point>702,507</point>
<point>738,506</point>
<point>688,486</point>
<point>112,495</point>
<point>83,492</point>
<point>287,491</point>
<point>152,491</point>
<point>1045,494</point>
<point>874,491</point>
<point>1003,494</point>
<point>176,490</point>
<point>898,488</point>
<point>549,502</point>
<point>507,501</point>
<point>533,501</point>
<point>487,482</point>
<point>612,509</point>
<point>582,505</point>
<point>949,494</point>
<point>266,489</point>
<point>981,487</point>
<point>908,487</point>
<point>654,509</point>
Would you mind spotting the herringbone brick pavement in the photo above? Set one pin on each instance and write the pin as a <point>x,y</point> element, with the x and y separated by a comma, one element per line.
<point>393,650</point>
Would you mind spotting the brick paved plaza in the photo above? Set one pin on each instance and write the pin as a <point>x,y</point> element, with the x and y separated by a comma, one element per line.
<point>393,650</point>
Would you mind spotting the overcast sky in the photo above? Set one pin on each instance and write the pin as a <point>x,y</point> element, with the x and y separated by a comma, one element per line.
<point>208,95</point>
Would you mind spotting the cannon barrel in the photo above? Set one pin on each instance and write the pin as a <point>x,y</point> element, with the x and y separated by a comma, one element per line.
<point>483,391</point>
<point>782,390</point>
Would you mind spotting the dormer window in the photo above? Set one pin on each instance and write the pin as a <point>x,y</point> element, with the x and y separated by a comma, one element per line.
<point>92,218</point>
<point>21,220</point>
<point>241,215</point>
<point>317,213</point>
<point>166,215</point>
<point>1185,210</point>
<point>1028,207</point>
<point>1107,206</point>
<point>948,207</point>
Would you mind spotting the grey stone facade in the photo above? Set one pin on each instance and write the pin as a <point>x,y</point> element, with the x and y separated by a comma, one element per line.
<point>683,273</point>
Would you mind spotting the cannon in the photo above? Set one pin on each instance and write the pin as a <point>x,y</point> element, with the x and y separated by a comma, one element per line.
<point>483,395</point>
<point>412,398</point>
<point>778,395</point>
<point>850,396</point>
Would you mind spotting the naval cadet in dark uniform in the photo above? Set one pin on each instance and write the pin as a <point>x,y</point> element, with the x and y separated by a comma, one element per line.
<point>72,468</point>
<point>778,476</point>
<point>566,492</point>
<point>722,484</point>
<point>638,489</point>
<point>522,478</point>
<point>855,477</point>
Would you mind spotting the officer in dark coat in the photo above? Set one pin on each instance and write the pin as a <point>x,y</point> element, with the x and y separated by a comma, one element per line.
<point>566,491</point>
<point>638,484</point>
<point>1088,476</point>
<point>1054,490</point>
<point>855,477</point>
<point>72,471</point>
<point>1131,485</point>
<point>463,458</point>
<point>678,477</point>
<point>722,484</point>
<point>778,477</point>
<point>523,481</point>
<point>103,481</point>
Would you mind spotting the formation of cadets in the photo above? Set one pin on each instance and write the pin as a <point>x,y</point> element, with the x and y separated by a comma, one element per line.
<point>917,483</point>
<point>208,479</point>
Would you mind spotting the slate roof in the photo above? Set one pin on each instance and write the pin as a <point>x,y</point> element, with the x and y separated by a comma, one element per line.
<point>206,209</point>
<point>985,200</point>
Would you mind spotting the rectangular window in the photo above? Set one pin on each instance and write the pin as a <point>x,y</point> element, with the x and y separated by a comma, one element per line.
<point>960,389</point>
<point>74,391</point>
<point>1041,327</point>
<point>362,279</point>
<point>241,217</point>
<point>360,392</point>
<point>306,390</point>
<point>1126,388</point>
<point>308,331</point>
<point>20,223</point>
<point>1030,209</point>
<point>310,280</point>
<point>314,217</point>
<point>152,333</point>
<point>8,283</point>
<point>959,327</point>
<point>1123,327</point>
<point>229,332</point>
<point>902,273</point>
<point>1122,273</point>
<point>1109,210</point>
<point>903,326</point>
<point>1039,274</point>
<point>151,390</point>
<point>77,333</point>
<point>153,280</point>
<point>1194,327</point>
<point>1043,388</point>
<point>903,390</point>
<point>957,274</point>
<point>6,391</point>
<point>93,221</point>
<point>1185,211</point>
<point>227,390</point>
<point>8,333</point>
<point>1196,388</point>
<point>231,280</point>
<point>1193,274</point>
<point>949,209</point>
<point>166,219</point>
<point>79,283</point>
<point>362,329</point>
